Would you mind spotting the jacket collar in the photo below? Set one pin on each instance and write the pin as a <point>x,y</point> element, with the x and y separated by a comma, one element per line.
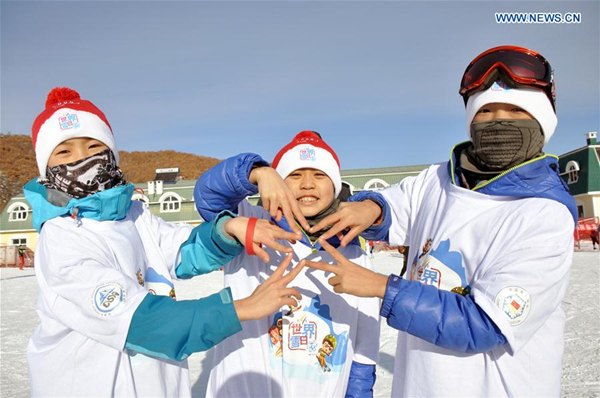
<point>112,204</point>
<point>536,178</point>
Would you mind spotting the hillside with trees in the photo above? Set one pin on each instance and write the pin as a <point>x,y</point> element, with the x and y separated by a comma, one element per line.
<point>18,165</point>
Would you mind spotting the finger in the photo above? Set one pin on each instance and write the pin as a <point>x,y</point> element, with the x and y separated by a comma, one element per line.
<point>292,274</point>
<point>335,229</point>
<point>277,246</point>
<point>299,216</point>
<point>321,266</point>
<point>329,220</point>
<point>261,253</point>
<point>289,217</point>
<point>280,233</point>
<point>338,289</point>
<point>279,215</point>
<point>281,268</point>
<point>273,207</point>
<point>266,204</point>
<point>293,292</point>
<point>339,257</point>
<point>289,301</point>
<point>335,280</point>
<point>350,235</point>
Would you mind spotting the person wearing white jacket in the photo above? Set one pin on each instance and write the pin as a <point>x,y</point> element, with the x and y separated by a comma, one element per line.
<point>491,244</point>
<point>110,323</point>
<point>324,346</point>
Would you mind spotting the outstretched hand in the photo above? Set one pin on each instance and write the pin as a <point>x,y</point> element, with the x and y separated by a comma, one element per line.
<point>265,233</point>
<point>271,295</point>
<point>277,198</point>
<point>352,216</point>
<point>349,277</point>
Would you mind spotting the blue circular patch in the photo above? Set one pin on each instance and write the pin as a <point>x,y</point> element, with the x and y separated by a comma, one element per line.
<point>107,298</point>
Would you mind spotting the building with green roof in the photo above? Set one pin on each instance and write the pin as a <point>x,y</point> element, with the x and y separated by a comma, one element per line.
<point>580,169</point>
<point>174,201</point>
<point>378,178</point>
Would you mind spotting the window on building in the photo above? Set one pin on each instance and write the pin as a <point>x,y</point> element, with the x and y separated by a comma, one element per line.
<point>376,184</point>
<point>580,213</point>
<point>573,170</point>
<point>170,203</point>
<point>18,212</point>
<point>140,197</point>
<point>346,191</point>
<point>18,241</point>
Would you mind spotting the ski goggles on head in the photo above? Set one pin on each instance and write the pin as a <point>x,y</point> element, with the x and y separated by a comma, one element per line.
<point>521,66</point>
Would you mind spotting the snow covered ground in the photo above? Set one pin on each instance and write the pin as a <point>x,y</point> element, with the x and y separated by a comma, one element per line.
<point>581,376</point>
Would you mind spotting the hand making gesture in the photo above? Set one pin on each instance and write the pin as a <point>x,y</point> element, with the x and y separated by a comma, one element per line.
<point>349,277</point>
<point>271,295</point>
<point>277,198</point>
<point>352,216</point>
<point>253,233</point>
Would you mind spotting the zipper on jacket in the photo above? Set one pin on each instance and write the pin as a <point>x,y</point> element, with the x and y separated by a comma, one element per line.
<point>453,175</point>
<point>75,216</point>
<point>312,245</point>
<point>511,169</point>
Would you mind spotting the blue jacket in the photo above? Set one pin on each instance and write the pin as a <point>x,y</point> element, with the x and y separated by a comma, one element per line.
<point>160,326</point>
<point>223,187</point>
<point>448,319</point>
<point>537,178</point>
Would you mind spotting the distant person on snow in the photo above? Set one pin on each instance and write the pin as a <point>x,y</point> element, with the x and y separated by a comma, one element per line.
<point>594,235</point>
<point>21,251</point>
<point>490,234</point>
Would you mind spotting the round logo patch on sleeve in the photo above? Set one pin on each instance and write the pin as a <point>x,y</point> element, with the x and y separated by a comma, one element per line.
<point>107,298</point>
<point>515,302</point>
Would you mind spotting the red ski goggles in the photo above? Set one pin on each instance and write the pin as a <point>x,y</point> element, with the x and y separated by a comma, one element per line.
<point>522,66</point>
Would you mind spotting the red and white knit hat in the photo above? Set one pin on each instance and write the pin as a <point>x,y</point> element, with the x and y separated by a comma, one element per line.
<point>308,150</point>
<point>68,116</point>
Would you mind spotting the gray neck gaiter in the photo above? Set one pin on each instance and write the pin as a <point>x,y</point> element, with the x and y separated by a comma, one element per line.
<point>314,220</point>
<point>501,144</point>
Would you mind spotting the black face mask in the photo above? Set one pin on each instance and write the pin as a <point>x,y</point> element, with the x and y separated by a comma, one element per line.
<point>85,177</point>
<point>501,144</point>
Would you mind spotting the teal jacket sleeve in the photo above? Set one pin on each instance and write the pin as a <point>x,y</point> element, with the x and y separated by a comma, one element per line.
<point>164,328</point>
<point>207,249</point>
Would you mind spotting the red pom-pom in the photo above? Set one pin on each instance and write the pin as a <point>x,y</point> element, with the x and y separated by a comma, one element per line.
<point>307,135</point>
<point>61,94</point>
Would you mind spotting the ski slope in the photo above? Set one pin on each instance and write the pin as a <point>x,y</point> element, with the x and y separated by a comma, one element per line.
<point>581,375</point>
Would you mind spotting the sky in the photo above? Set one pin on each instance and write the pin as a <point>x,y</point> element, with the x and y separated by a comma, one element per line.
<point>378,80</point>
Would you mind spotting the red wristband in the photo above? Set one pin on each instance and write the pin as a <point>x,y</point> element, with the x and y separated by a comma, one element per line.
<point>250,236</point>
